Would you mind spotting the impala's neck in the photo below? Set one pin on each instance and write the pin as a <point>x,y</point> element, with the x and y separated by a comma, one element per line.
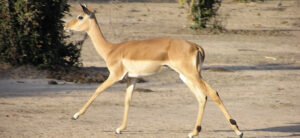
<point>102,46</point>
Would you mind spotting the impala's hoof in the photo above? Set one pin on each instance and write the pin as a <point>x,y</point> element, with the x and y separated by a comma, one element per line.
<point>241,135</point>
<point>75,116</point>
<point>190,135</point>
<point>118,131</point>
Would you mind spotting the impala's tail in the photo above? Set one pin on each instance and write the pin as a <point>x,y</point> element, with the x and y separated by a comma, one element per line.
<point>201,57</point>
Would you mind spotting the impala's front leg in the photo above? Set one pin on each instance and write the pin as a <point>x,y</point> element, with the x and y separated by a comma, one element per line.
<point>130,86</point>
<point>106,84</point>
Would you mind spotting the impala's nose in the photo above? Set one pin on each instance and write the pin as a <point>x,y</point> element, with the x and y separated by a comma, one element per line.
<point>66,28</point>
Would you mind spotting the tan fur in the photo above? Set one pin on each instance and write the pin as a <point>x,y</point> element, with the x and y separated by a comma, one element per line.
<point>145,57</point>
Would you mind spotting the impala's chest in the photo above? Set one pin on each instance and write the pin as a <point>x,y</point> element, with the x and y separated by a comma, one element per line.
<point>138,68</point>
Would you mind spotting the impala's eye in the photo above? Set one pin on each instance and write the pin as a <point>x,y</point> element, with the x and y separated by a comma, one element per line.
<point>80,17</point>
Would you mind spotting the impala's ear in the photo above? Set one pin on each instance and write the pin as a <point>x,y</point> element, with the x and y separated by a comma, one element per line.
<point>86,10</point>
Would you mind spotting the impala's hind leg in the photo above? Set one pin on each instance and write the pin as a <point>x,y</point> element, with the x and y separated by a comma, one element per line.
<point>216,98</point>
<point>201,89</point>
<point>130,86</point>
<point>201,98</point>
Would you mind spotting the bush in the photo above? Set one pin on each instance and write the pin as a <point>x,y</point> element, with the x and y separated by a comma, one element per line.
<point>31,32</point>
<point>202,11</point>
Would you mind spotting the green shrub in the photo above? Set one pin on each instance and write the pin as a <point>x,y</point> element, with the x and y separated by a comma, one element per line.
<point>203,11</point>
<point>31,32</point>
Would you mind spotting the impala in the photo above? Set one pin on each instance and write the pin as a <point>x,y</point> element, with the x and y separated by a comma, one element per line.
<point>132,59</point>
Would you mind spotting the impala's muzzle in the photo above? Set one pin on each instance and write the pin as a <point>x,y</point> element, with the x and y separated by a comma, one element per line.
<point>67,30</point>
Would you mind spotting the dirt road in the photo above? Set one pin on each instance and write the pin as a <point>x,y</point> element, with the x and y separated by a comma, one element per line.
<point>256,71</point>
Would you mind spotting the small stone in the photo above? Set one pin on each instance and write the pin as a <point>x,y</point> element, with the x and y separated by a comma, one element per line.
<point>20,81</point>
<point>143,90</point>
<point>52,82</point>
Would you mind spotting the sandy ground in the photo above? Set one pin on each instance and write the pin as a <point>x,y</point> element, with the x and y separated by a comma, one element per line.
<point>256,73</point>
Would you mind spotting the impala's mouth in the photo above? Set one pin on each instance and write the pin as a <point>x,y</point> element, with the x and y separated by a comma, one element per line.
<point>66,29</point>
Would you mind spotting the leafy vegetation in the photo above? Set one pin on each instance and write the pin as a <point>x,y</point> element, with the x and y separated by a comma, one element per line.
<point>201,12</point>
<point>31,32</point>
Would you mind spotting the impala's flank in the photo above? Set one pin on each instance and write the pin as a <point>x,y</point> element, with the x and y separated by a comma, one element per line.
<point>133,59</point>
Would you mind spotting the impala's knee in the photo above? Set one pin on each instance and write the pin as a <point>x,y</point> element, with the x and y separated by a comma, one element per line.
<point>215,97</point>
<point>200,95</point>
<point>203,101</point>
<point>201,98</point>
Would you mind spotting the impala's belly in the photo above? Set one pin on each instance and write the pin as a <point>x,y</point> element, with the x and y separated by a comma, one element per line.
<point>142,68</point>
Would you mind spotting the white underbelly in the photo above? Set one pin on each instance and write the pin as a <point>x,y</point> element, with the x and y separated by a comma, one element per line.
<point>142,68</point>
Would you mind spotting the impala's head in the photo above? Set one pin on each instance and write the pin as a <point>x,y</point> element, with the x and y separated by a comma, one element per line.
<point>82,21</point>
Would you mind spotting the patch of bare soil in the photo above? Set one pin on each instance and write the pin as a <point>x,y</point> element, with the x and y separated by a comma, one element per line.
<point>254,66</point>
<point>76,74</point>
